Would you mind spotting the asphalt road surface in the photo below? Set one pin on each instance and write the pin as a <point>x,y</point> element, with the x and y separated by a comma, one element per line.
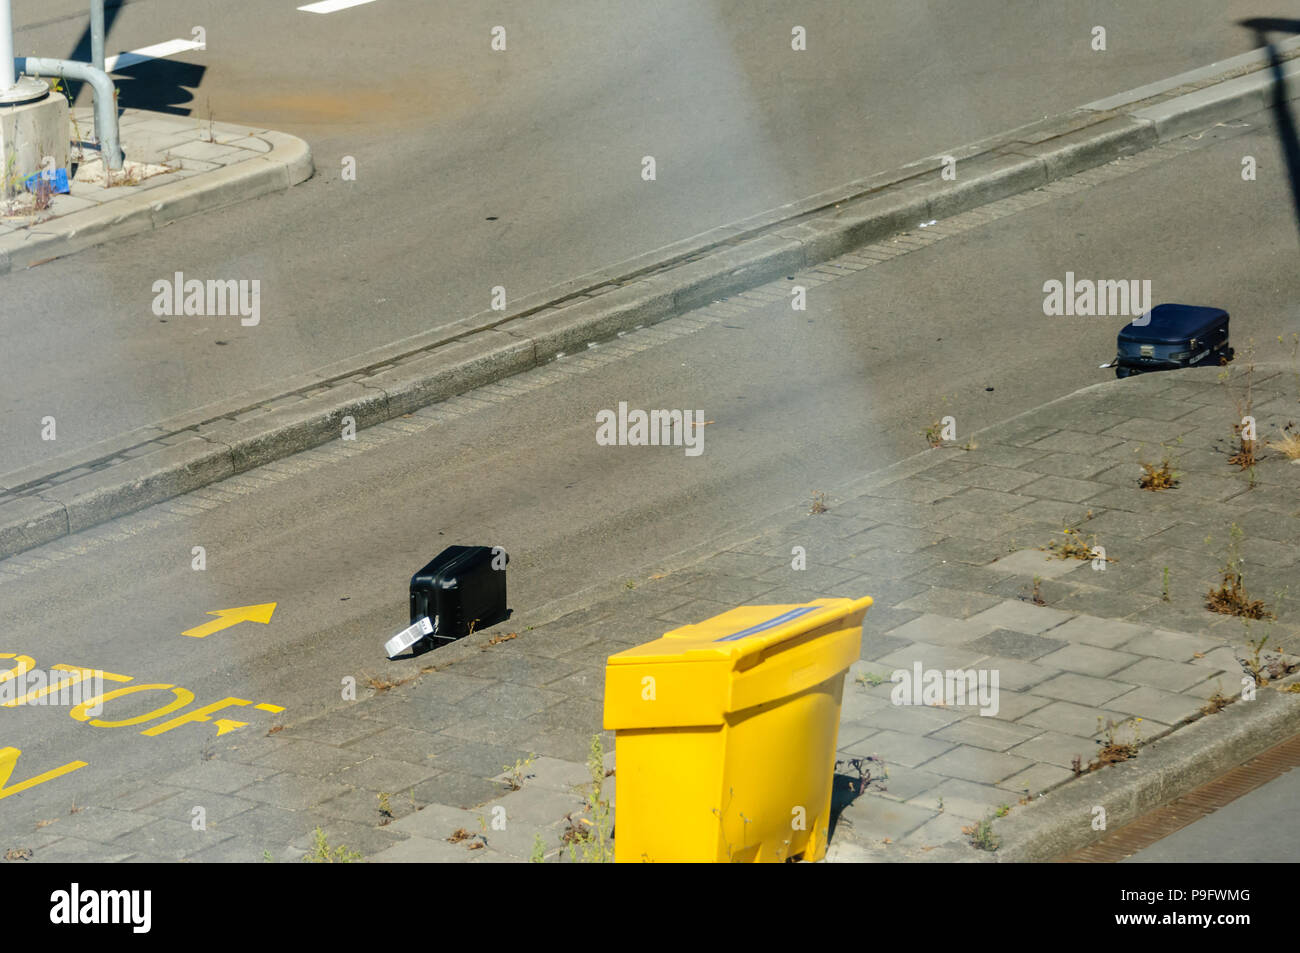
<point>1256,828</point>
<point>545,139</point>
<point>798,402</point>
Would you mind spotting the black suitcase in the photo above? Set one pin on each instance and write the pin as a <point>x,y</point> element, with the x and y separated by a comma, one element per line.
<point>460,591</point>
<point>1175,336</point>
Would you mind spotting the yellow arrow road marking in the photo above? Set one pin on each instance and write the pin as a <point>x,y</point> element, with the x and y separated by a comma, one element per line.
<point>228,617</point>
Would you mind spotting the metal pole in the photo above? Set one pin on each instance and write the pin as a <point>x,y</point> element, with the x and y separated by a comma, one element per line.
<point>7,78</point>
<point>14,87</point>
<point>96,34</point>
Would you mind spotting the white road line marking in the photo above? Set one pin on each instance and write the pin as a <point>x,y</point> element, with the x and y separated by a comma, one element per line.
<point>125,60</point>
<point>331,6</point>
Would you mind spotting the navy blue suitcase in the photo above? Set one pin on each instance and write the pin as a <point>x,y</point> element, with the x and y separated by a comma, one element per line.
<point>1175,336</point>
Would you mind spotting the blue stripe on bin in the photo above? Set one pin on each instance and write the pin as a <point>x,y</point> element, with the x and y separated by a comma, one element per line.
<point>770,623</point>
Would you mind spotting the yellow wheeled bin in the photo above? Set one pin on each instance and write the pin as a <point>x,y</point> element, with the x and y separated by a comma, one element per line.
<point>725,734</point>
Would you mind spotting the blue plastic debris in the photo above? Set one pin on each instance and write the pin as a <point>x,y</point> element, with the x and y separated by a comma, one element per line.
<point>57,179</point>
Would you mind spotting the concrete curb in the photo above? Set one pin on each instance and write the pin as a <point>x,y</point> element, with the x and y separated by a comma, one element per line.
<point>1186,757</point>
<point>288,163</point>
<point>123,474</point>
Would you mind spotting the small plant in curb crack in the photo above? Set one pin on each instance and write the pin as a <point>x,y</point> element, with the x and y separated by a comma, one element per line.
<point>1036,597</point>
<point>1263,666</point>
<point>516,774</point>
<point>818,503</point>
<point>871,679</point>
<point>981,835</point>
<point>1002,811</point>
<point>1254,665</point>
<point>385,809</point>
<point>322,853</point>
<point>1217,702</point>
<point>1113,751</point>
<point>934,434</point>
<point>1164,592</point>
<point>1160,477</point>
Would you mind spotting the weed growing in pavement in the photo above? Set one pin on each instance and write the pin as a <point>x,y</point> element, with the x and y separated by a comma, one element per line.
<point>1243,403</point>
<point>981,835</point>
<point>1036,596</point>
<point>1289,445</point>
<point>1160,477</point>
<point>1164,590</point>
<point>516,774</point>
<point>871,679</point>
<point>322,853</point>
<point>1002,811</point>
<point>539,850</point>
<point>1073,545</point>
<point>589,838</point>
<point>818,503</point>
<point>471,841</point>
<point>385,809</point>
<point>934,434</point>
<point>1230,597</point>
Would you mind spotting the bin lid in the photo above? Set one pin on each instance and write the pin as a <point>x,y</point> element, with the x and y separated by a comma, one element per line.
<point>696,674</point>
<point>740,632</point>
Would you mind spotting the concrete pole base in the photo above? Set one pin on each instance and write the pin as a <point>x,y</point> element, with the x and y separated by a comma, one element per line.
<point>26,90</point>
<point>34,136</point>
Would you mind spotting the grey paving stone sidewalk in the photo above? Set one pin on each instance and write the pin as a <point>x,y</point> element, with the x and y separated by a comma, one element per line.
<point>953,548</point>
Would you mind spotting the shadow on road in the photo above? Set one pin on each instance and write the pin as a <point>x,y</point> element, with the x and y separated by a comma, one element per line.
<point>1280,103</point>
<point>160,85</point>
